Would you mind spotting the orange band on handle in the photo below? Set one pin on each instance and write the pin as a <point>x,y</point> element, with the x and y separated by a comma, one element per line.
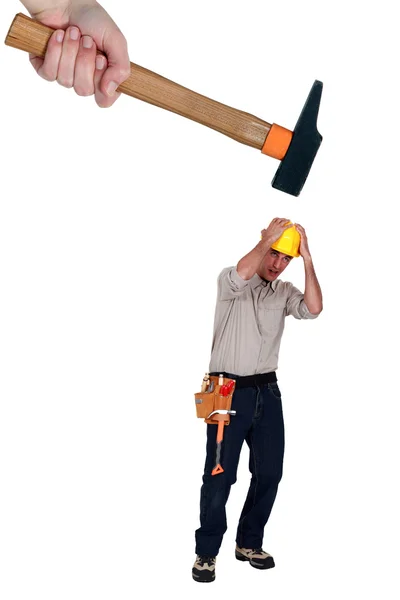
<point>277,142</point>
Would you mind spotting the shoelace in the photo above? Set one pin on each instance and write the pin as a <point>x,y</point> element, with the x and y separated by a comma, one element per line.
<point>206,559</point>
<point>258,551</point>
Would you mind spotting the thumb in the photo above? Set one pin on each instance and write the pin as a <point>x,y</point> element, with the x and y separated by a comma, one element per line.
<point>118,69</point>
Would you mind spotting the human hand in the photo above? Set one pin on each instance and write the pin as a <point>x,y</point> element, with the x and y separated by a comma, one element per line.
<point>303,249</point>
<point>71,54</point>
<point>274,230</point>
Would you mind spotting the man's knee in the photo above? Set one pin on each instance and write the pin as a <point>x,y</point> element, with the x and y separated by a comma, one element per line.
<point>268,478</point>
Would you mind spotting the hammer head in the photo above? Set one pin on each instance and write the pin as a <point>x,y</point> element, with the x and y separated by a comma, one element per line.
<point>296,164</point>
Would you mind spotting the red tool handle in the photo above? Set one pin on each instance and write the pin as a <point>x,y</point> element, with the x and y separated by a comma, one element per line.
<point>226,389</point>
<point>230,385</point>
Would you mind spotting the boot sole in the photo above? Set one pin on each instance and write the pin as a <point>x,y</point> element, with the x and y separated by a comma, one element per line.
<point>268,564</point>
<point>207,578</point>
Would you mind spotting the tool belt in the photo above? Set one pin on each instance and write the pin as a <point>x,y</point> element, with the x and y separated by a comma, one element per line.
<point>217,396</point>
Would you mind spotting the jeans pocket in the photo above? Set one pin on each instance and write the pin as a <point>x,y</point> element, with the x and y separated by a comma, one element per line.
<point>273,387</point>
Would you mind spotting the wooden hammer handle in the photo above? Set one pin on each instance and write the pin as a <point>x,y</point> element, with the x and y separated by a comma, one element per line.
<point>31,36</point>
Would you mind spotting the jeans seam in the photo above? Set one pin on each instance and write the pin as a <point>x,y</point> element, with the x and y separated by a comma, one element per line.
<point>255,461</point>
<point>257,405</point>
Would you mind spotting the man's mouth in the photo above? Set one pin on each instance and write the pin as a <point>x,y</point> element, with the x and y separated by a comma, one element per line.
<point>273,271</point>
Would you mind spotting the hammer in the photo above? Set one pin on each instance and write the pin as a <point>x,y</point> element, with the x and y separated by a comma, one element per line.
<point>221,416</point>
<point>295,149</point>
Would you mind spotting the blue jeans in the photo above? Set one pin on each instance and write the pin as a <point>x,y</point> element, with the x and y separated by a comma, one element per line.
<point>259,421</point>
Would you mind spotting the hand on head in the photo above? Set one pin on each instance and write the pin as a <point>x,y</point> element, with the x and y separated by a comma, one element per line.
<point>82,29</point>
<point>303,249</point>
<point>275,230</point>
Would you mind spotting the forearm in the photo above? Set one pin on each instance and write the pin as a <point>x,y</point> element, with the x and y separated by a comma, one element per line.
<point>312,292</point>
<point>249,264</point>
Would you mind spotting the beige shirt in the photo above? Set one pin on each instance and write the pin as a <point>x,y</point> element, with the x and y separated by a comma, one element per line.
<point>249,322</point>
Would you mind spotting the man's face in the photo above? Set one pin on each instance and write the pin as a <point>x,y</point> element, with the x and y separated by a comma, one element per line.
<point>274,264</point>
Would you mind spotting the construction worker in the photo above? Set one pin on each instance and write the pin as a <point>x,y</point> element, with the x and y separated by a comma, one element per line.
<point>252,304</point>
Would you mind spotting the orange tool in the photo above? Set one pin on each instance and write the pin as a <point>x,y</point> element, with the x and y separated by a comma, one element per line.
<point>220,436</point>
<point>221,416</point>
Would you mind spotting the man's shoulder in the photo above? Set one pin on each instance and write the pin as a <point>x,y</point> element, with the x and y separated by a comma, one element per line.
<point>286,288</point>
<point>282,286</point>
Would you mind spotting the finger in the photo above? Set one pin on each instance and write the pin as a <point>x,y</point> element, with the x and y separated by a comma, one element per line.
<point>101,66</point>
<point>66,69</point>
<point>118,69</point>
<point>85,67</point>
<point>48,67</point>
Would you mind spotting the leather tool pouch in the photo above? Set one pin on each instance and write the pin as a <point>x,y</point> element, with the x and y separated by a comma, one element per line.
<point>208,401</point>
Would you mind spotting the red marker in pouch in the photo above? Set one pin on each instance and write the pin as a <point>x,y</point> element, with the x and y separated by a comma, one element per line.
<point>230,386</point>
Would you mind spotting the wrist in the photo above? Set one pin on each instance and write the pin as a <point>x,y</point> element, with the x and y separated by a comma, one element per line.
<point>76,4</point>
<point>266,243</point>
<point>41,8</point>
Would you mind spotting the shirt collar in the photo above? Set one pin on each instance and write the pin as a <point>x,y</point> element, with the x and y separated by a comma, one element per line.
<point>260,281</point>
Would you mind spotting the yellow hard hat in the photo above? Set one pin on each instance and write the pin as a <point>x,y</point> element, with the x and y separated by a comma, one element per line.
<point>289,242</point>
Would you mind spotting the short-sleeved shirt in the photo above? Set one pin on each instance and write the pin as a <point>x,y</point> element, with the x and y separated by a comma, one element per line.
<point>249,322</point>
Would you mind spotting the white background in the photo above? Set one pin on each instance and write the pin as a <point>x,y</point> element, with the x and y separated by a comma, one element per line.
<point>114,225</point>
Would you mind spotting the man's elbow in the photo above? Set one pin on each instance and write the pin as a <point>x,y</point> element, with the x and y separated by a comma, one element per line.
<point>244,273</point>
<point>315,309</point>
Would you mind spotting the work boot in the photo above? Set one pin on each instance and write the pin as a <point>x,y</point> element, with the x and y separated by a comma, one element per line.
<point>204,568</point>
<point>257,558</point>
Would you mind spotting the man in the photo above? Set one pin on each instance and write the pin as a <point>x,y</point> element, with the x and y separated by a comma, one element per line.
<point>252,304</point>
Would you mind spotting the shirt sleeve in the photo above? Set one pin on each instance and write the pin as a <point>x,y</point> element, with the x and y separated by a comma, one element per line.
<point>296,306</point>
<point>230,284</point>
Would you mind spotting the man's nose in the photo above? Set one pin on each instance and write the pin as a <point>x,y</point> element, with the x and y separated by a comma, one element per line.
<point>277,263</point>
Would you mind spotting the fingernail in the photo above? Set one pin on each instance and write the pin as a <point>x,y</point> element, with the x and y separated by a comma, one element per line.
<point>87,41</point>
<point>74,33</point>
<point>60,36</point>
<point>111,87</point>
<point>100,62</point>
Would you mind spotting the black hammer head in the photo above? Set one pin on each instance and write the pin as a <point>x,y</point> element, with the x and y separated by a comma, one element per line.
<point>296,164</point>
